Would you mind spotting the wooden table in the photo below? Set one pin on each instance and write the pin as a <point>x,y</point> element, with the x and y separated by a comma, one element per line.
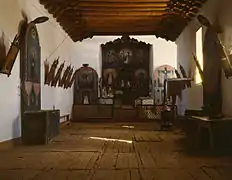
<point>219,131</point>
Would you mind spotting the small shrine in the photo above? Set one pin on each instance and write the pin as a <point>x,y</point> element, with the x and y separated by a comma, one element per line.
<point>86,86</point>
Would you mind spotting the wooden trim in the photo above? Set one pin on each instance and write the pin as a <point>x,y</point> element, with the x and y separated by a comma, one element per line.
<point>10,143</point>
<point>65,123</point>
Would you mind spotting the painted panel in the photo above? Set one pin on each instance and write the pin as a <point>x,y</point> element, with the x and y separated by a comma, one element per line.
<point>30,70</point>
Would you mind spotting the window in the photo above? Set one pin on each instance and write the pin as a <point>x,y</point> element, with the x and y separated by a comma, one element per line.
<point>199,54</point>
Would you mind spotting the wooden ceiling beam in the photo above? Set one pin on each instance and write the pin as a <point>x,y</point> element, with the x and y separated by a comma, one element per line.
<point>121,5</point>
<point>124,1</point>
<point>85,18</point>
<point>123,9</point>
<point>126,14</point>
<point>122,18</point>
<point>120,22</point>
<point>119,29</point>
<point>149,22</point>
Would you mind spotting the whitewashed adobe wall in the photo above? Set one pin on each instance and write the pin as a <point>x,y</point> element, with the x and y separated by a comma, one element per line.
<point>51,36</point>
<point>88,51</point>
<point>186,45</point>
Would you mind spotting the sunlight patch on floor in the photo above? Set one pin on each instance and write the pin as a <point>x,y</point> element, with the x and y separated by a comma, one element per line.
<point>130,127</point>
<point>109,139</point>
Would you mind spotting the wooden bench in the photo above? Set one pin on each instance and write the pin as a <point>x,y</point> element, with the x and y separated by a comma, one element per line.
<point>67,119</point>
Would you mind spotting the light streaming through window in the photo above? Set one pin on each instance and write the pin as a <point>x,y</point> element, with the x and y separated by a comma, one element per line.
<point>199,54</point>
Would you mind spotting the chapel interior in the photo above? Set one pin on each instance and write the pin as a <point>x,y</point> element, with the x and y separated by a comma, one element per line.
<point>116,89</point>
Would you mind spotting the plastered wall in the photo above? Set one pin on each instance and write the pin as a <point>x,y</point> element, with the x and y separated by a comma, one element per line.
<point>54,42</point>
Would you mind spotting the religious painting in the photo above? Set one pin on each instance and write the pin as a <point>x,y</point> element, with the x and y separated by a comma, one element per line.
<point>162,73</point>
<point>8,62</point>
<point>30,70</point>
<point>86,86</point>
<point>11,57</point>
<point>86,79</point>
<point>125,55</point>
<point>111,60</point>
<point>129,75</point>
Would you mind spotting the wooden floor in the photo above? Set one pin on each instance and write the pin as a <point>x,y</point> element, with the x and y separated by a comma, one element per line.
<point>144,153</point>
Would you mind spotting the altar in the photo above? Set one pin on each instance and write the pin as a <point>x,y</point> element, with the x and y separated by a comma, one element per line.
<point>126,71</point>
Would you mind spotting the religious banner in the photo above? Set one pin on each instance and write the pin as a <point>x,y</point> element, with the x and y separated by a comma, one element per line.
<point>72,79</point>
<point>184,74</point>
<point>226,53</point>
<point>177,74</point>
<point>30,70</point>
<point>8,63</point>
<point>52,71</point>
<point>64,77</point>
<point>67,80</point>
<point>11,57</point>
<point>58,75</point>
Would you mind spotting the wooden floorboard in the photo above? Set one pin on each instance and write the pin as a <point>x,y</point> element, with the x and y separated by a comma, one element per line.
<point>112,151</point>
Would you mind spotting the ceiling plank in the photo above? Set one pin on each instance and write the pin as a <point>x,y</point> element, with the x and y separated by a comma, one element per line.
<point>122,9</point>
<point>85,18</point>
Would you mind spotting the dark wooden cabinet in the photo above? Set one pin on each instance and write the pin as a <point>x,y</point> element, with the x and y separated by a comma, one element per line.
<point>39,127</point>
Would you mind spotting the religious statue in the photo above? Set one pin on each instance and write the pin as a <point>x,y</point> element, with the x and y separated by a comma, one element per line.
<point>165,73</point>
<point>85,99</point>
<point>212,93</point>
<point>141,77</point>
<point>109,78</point>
